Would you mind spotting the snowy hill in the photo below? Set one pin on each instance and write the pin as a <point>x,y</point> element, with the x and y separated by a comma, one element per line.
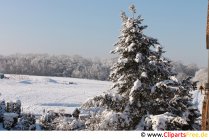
<point>50,93</point>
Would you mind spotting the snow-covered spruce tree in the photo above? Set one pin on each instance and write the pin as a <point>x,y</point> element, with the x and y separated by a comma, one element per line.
<point>147,96</point>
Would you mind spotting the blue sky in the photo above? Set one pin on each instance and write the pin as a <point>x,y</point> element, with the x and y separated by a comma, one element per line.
<point>90,27</point>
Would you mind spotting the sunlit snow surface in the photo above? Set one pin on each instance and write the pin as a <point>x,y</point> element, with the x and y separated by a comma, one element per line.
<point>57,93</point>
<point>50,93</point>
<point>197,99</point>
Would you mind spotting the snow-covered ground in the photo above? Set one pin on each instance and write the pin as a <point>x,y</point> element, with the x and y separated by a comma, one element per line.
<point>198,99</point>
<point>50,93</point>
<point>38,93</point>
<point>57,93</point>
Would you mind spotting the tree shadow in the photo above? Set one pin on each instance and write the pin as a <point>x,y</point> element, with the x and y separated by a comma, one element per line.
<point>61,104</point>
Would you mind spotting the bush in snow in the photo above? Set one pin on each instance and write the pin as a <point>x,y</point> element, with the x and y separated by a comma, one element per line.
<point>13,119</point>
<point>26,121</point>
<point>164,121</point>
<point>14,107</point>
<point>9,107</point>
<point>46,120</point>
<point>2,109</point>
<point>58,121</point>
<point>66,124</point>
<point>145,85</point>
<point>9,120</point>
<point>76,113</point>
<point>9,113</point>
<point>17,107</point>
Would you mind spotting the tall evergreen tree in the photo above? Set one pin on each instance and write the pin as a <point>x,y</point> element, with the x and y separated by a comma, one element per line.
<point>146,87</point>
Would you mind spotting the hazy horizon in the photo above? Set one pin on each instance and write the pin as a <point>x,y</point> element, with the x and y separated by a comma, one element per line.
<point>90,28</point>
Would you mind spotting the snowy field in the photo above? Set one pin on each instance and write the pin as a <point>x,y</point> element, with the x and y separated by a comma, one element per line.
<point>38,93</point>
<point>50,93</point>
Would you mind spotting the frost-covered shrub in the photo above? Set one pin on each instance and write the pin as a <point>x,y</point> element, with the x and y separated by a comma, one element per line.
<point>13,119</point>
<point>14,107</point>
<point>156,122</point>
<point>26,121</point>
<point>17,107</point>
<point>9,106</point>
<point>2,109</point>
<point>9,113</point>
<point>167,121</point>
<point>65,123</point>
<point>55,121</point>
<point>8,123</point>
<point>46,120</point>
<point>107,100</point>
<point>9,120</point>
<point>108,120</point>
<point>76,113</point>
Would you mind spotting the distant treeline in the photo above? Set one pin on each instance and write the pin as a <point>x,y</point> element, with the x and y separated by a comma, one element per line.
<point>55,65</point>
<point>71,66</point>
<point>183,71</point>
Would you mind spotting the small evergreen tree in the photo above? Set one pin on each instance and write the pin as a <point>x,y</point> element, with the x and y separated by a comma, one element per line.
<point>145,86</point>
